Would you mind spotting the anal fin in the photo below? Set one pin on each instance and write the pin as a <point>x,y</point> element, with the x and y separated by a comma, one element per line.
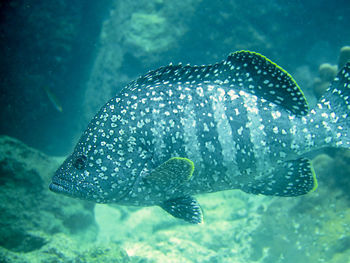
<point>186,208</point>
<point>292,178</point>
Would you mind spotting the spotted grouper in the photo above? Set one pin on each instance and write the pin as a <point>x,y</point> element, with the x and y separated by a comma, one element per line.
<point>179,131</point>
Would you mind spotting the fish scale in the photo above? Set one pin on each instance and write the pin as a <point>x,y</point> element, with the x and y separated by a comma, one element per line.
<point>178,131</point>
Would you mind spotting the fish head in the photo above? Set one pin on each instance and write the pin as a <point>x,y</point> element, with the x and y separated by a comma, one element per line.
<point>102,167</point>
<point>95,179</point>
<point>70,178</point>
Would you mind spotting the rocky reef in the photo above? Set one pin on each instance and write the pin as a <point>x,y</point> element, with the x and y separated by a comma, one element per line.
<point>85,52</point>
<point>39,226</point>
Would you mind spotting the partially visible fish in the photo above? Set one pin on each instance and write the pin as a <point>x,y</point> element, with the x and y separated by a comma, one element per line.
<point>242,123</point>
<point>53,98</point>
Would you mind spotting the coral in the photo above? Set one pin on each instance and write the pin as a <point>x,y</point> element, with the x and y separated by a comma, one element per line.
<point>344,56</point>
<point>327,72</point>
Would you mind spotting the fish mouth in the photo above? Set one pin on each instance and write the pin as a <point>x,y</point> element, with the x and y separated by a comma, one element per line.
<point>57,188</point>
<point>60,186</point>
<point>65,187</point>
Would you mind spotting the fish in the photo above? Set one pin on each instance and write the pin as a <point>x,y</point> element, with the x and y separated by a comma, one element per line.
<point>181,130</point>
<point>53,98</point>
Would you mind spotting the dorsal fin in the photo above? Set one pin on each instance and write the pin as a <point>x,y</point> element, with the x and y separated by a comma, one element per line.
<point>245,70</point>
<point>258,75</point>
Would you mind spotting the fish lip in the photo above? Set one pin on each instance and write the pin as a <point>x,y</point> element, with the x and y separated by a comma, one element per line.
<point>60,186</point>
<point>54,187</point>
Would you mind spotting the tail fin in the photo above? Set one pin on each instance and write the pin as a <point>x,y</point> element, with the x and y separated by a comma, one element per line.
<point>333,110</point>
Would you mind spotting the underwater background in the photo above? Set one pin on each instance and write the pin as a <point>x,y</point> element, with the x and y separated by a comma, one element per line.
<point>60,61</point>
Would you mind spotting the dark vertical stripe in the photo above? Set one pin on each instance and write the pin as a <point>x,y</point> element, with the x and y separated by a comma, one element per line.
<point>238,119</point>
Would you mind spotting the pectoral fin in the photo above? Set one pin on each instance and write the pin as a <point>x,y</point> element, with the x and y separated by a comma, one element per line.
<point>171,173</point>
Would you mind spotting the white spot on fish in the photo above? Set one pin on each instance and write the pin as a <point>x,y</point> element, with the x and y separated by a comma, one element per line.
<point>276,114</point>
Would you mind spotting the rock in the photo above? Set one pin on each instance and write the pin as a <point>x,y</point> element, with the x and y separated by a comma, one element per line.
<point>29,211</point>
<point>62,248</point>
<point>150,233</point>
<point>148,32</point>
<point>327,72</point>
<point>134,39</point>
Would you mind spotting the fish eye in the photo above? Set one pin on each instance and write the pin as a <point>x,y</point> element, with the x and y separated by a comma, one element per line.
<point>80,162</point>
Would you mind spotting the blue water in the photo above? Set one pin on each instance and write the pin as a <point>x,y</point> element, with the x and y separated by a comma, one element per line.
<point>85,52</point>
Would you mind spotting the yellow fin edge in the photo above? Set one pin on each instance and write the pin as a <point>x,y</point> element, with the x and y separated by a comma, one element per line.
<point>283,70</point>
<point>187,160</point>
<point>314,178</point>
